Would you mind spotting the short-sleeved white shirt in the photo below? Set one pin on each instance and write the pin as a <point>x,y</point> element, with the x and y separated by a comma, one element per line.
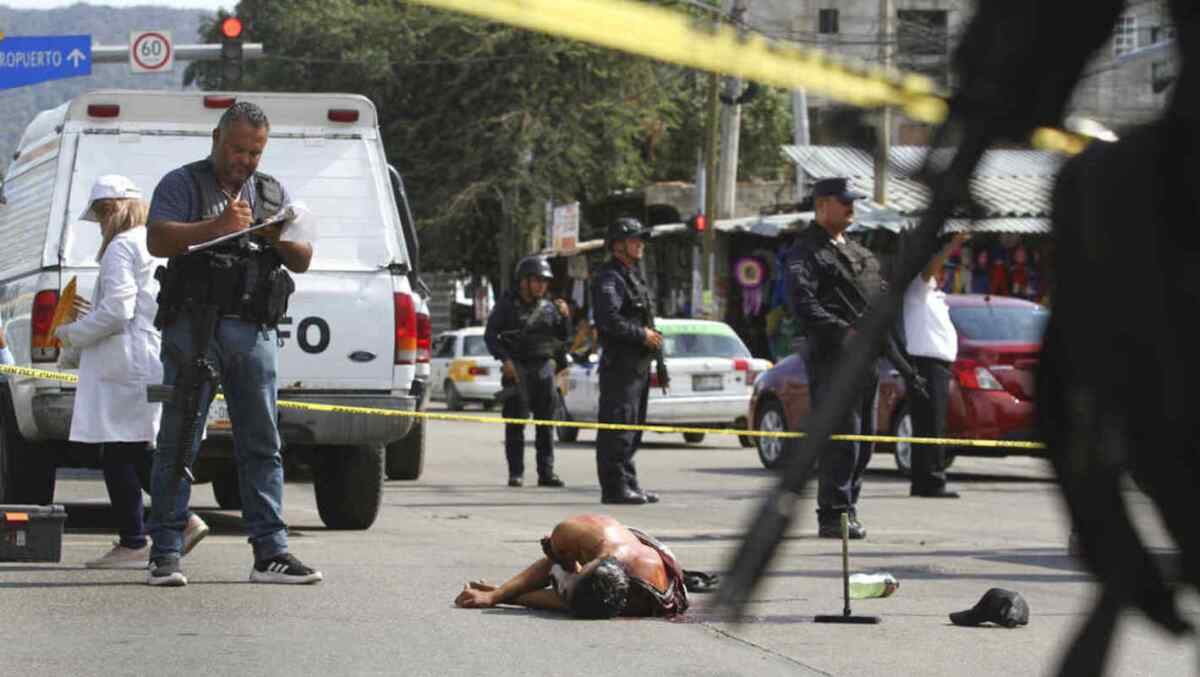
<point>927,327</point>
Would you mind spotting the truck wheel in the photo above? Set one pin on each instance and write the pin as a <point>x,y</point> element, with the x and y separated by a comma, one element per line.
<point>26,475</point>
<point>454,401</point>
<point>693,438</point>
<point>349,485</point>
<point>406,456</point>
<point>227,488</point>
<point>564,433</point>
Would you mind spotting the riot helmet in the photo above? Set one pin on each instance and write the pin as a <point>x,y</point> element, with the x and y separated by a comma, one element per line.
<point>534,266</point>
<point>624,228</point>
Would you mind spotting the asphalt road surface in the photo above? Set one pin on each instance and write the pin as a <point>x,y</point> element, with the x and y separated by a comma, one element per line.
<point>386,604</point>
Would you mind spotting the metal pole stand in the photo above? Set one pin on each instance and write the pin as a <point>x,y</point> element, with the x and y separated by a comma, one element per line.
<point>846,616</point>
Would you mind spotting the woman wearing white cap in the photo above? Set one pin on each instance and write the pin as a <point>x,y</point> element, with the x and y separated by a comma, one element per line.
<point>119,355</point>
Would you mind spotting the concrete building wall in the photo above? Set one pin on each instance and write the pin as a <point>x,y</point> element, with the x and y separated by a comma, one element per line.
<point>1117,94</point>
<point>1121,93</point>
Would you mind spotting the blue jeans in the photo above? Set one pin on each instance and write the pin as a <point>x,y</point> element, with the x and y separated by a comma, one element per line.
<point>246,361</point>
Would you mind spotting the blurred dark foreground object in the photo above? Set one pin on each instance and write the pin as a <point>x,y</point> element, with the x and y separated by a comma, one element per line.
<point>1128,206</point>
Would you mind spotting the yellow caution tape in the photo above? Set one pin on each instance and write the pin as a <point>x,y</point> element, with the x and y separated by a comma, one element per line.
<point>38,373</point>
<point>674,37</point>
<point>735,432</point>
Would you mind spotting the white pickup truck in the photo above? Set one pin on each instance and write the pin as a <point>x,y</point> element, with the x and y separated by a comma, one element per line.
<point>357,333</point>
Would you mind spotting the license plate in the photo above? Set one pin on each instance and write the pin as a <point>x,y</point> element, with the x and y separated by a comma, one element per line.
<point>708,382</point>
<point>218,417</point>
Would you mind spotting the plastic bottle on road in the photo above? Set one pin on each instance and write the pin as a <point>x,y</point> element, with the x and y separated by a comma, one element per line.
<point>864,586</point>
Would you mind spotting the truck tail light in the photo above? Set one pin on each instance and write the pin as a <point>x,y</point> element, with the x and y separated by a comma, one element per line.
<point>216,101</point>
<point>424,337</point>
<point>406,328</point>
<point>972,376</point>
<point>342,115</point>
<point>103,110</point>
<point>42,346</point>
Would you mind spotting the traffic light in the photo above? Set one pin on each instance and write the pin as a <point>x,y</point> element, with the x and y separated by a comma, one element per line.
<point>697,224</point>
<point>231,53</point>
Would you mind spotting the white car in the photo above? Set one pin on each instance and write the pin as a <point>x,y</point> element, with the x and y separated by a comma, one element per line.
<point>711,371</point>
<point>462,369</point>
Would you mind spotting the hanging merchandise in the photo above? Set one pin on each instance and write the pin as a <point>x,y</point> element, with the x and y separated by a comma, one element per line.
<point>768,289</point>
<point>751,275</point>
<point>1018,274</point>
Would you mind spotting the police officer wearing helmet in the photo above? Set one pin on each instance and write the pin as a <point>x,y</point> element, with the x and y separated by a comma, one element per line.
<point>239,286</point>
<point>527,333</point>
<point>831,278</point>
<point>623,313</point>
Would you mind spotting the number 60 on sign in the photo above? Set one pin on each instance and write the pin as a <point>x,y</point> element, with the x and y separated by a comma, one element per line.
<point>151,52</point>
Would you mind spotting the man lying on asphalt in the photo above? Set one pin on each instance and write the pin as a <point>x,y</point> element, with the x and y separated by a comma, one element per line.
<point>594,567</point>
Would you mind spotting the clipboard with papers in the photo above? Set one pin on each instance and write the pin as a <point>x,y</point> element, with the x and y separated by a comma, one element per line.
<point>286,216</point>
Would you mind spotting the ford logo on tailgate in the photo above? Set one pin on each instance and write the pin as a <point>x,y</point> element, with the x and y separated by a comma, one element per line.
<point>361,356</point>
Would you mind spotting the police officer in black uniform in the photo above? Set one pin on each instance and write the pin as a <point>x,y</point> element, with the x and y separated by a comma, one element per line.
<point>623,314</point>
<point>528,333</point>
<point>831,279</point>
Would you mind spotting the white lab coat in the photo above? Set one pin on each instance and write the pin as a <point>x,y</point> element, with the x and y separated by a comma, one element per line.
<point>119,347</point>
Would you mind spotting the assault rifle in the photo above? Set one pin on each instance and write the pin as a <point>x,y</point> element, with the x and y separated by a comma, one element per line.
<point>197,374</point>
<point>660,362</point>
<point>535,331</point>
<point>645,309</point>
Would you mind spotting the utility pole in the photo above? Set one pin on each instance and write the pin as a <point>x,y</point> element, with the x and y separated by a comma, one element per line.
<point>731,127</point>
<point>883,132</point>
<point>711,142</point>
<point>800,133</point>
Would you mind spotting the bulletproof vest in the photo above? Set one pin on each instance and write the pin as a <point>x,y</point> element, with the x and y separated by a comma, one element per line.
<point>213,199</point>
<point>243,276</point>
<point>535,336</point>
<point>640,305</point>
<point>637,305</point>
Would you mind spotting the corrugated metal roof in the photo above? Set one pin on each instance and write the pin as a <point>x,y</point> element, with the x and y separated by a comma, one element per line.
<point>1007,184</point>
<point>1018,226</point>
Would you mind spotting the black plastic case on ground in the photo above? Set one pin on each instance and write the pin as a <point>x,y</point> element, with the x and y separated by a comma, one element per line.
<point>31,533</point>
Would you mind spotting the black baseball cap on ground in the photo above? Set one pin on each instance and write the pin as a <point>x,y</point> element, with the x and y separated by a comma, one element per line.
<point>999,606</point>
<point>837,187</point>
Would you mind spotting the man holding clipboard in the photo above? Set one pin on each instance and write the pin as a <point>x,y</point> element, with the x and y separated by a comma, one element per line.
<point>224,291</point>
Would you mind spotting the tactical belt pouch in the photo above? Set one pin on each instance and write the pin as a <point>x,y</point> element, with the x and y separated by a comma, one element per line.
<point>270,305</point>
<point>31,533</point>
<point>255,290</point>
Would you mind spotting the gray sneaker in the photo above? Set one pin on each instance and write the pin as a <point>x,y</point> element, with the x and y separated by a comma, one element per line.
<point>166,573</point>
<point>121,557</point>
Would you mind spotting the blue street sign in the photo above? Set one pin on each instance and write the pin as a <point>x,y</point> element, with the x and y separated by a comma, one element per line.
<point>26,60</point>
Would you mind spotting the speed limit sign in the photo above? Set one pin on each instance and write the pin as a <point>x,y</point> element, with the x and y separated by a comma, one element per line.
<point>151,52</point>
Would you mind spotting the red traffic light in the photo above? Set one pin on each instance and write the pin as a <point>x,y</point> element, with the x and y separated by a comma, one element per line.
<point>699,223</point>
<point>231,28</point>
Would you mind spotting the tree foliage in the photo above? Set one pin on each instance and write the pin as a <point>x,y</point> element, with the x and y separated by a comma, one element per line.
<point>486,122</point>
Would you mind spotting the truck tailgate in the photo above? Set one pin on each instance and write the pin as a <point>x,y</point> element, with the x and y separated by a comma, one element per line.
<point>339,333</point>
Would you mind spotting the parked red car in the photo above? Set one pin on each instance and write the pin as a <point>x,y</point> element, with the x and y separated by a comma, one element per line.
<point>991,394</point>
